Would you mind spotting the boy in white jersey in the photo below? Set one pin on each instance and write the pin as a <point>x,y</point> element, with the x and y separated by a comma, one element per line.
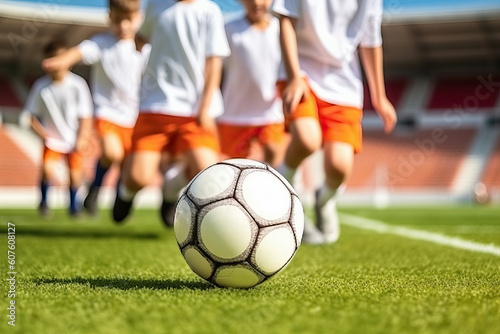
<point>116,69</point>
<point>180,95</point>
<point>320,41</point>
<point>61,109</point>
<point>252,108</point>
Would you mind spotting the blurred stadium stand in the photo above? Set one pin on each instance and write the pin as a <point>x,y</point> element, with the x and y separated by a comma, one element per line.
<point>443,75</point>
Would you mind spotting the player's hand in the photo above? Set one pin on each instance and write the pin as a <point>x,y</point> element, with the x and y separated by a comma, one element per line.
<point>207,123</point>
<point>82,145</point>
<point>294,93</point>
<point>387,113</point>
<point>53,64</point>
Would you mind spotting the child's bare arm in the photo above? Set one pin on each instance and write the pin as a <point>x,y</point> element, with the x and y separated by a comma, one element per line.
<point>140,41</point>
<point>372,59</point>
<point>213,72</point>
<point>83,135</point>
<point>38,128</point>
<point>296,87</point>
<point>65,60</point>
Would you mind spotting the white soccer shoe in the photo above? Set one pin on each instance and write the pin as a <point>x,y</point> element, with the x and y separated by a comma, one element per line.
<point>312,235</point>
<point>327,220</point>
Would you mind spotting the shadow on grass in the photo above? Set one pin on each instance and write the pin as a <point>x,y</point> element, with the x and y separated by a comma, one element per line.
<point>131,283</point>
<point>83,234</point>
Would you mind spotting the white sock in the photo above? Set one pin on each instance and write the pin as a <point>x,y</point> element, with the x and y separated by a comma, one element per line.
<point>126,194</point>
<point>326,193</point>
<point>174,180</point>
<point>287,172</point>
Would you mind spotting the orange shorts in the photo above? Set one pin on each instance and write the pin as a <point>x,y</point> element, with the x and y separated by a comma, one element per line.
<point>338,123</point>
<point>105,128</point>
<point>173,134</point>
<point>74,159</point>
<point>236,140</point>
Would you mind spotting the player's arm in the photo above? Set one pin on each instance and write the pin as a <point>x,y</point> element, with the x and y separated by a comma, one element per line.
<point>296,87</point>
<point>65,60</point>
<point>213,71</point>
<point>83,135</point>
<point>85,114</point>
<point>372,59</point>
<point>140,41</point>
<point>39,129</point>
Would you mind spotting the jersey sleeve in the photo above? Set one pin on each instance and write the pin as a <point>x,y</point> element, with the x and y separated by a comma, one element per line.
<point>34,101</point>
<point>85,107</point>
<point>216,44</point>
<point>145,53</point>
<point>289,8</point>
<point>149,20</point>
<point>91,51</point>
<point>372,35</point>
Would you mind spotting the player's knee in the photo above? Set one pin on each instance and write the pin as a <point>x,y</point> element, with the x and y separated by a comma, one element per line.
<point>138,183</point>
<point>110,157</point>
<point>307,146</point>
<point>336,174</point>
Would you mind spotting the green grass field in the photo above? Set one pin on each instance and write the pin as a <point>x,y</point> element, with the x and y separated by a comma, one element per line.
<point>92,277</point>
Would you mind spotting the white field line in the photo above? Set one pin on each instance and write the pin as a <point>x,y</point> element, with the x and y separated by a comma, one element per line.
<point>441,239</point>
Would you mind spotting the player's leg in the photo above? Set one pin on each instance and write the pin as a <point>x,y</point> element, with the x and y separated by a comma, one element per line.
<point>338,163</point>
<point>272,137</point>
<point>47,175</point>
<point>112,153</point>
<point>305,140</point>
<point>305,134</point>
<point>198,159</point>
<point>149,138</point>
<point>197,150</point>
<point>139,174</point>
<point>174,180</point>
<point>342,139</point>
<point>75,164</point>
<point>306,137</point>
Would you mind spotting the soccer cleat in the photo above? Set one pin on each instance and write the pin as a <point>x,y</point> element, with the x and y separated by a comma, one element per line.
<point>167,212</point>
<point>44,211</point>
<point>312,235</point>
<point>75,214</point>
<point>327,219</point>
<point>90,202</point>
<point>121,209</point>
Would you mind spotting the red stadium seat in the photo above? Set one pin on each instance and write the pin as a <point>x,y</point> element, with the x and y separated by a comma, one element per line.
<point>426,159</point>
<point>491,175</point>
<point>16,168</point>
<point>8,97</point>
<point>469,93</point>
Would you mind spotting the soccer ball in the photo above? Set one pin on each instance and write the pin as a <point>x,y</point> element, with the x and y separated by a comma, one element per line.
<point>238,223</point>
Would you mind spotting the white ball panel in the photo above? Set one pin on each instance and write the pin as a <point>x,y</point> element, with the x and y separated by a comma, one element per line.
<point>236,277</point>
<point>246,163</point>
<point>282,178</point>
<point>213,182</point>
<point>198,263</point>
<point>298,219</point>
<point>226,231</point>
<point>182,221</point>
<point>275,250</point>
<point>267,196</point>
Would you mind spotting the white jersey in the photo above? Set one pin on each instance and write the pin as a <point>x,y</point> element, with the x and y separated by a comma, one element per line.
<point>328,35</point>
<point>182,35</point>
<point>250,75</point>
<point>115,77</point>
<point>59,106</point>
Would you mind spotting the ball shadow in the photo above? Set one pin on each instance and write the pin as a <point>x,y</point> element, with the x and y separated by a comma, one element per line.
<point>131,283</point>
